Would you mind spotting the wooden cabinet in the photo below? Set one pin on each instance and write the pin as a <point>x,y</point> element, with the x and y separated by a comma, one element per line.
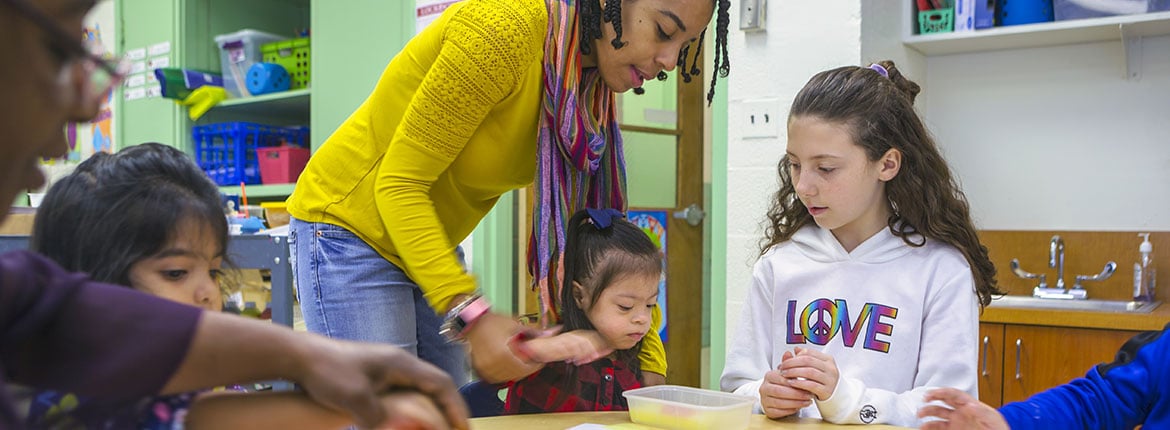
<point>1017,361</point>
<point>991,363</point>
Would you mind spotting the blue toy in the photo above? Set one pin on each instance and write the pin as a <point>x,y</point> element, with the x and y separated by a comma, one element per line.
<point>264,78</point>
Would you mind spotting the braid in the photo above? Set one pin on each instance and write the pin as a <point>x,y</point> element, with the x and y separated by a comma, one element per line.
<point>721,62</point>
<point>683,54</point>
<point>589,21</point>
<point>613,14</point>
<point>698,49</point>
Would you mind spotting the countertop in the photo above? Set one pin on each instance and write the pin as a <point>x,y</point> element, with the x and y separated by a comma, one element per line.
<point>622,420</point>
<point>1155,320</point>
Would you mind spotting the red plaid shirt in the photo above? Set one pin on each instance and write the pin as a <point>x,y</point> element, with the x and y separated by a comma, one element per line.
<point>602,383</point>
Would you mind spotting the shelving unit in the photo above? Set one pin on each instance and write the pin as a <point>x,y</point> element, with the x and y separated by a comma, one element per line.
<point>1117,28</point>
<point>190,28</point>
<point>261,192</point>
<point>287,104</point>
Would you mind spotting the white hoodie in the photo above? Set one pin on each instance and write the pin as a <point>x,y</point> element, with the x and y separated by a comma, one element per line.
<point>898,320</point>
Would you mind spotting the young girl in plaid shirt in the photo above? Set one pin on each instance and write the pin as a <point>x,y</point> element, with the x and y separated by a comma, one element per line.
<point>611,276</point>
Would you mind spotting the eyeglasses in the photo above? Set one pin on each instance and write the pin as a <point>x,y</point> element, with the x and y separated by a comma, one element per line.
<point>91,76</point>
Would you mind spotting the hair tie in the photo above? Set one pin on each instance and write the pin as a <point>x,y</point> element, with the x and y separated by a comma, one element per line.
<point>603,218</point>
<point>881,70</point>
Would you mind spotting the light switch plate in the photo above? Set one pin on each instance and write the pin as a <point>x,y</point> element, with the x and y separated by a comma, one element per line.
<point>752,14</point>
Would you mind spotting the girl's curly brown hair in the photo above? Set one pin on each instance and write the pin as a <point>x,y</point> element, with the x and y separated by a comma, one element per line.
<point>925,200</point>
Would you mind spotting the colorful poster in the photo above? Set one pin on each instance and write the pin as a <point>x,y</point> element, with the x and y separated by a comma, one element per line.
<point>654,224</point>
<point>85,139</point>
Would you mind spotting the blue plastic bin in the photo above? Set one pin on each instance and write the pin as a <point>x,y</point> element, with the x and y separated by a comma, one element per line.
<point>1017,12</point>
<point>227,151</point>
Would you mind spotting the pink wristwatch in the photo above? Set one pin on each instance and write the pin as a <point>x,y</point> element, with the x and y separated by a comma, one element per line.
<point>460,318</point>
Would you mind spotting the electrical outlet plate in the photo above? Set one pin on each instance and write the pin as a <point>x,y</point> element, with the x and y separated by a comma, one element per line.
<point>760,119</point>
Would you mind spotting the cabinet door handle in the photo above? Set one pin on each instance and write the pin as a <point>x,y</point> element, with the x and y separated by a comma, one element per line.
<point>985,340</point>
<point>1019,345</point>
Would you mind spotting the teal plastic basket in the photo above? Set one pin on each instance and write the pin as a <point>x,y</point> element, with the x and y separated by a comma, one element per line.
<point>936,21</point>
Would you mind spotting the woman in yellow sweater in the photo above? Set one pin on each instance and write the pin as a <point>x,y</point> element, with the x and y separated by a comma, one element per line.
<point>489,97</point>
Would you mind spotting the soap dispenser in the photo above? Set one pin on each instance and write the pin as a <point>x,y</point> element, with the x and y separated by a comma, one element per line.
<point>1143,272</point>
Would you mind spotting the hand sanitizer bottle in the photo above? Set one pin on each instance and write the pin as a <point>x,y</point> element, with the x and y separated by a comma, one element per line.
<point>1143,272</point>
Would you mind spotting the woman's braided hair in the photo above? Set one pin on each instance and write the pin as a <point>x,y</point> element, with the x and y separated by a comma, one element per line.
<point>591,15</point>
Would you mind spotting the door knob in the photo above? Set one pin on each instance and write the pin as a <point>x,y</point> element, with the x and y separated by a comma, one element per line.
<point>693,214</point>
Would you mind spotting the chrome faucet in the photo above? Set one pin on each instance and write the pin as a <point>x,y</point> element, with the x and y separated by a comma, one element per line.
<point>1056,259</point>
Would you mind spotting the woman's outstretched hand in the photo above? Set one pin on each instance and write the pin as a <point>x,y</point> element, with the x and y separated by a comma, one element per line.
<point>577,347</point>
<point>491,357</point>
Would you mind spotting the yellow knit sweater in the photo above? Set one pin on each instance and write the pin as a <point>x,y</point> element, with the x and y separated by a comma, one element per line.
<point>449,128</point>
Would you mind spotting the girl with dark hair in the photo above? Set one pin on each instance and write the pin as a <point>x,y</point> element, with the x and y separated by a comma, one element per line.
<point>611,276</point>
<point>456,121</point>
<point>871,276</point>
<point>148,218</point>
<point>122,217</point>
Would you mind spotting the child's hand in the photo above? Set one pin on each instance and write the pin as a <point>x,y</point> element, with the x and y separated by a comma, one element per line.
<point>779,398</point>
<point>577,347</point>
<point>411,410</point>
<point>961,412</point>
<point>818,370</point>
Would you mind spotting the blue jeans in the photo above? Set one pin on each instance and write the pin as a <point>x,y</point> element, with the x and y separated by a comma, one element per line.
<point>349,291</point>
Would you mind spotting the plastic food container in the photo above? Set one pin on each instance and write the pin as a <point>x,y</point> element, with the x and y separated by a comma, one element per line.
<point>237,53</point>
<point>685,408</point>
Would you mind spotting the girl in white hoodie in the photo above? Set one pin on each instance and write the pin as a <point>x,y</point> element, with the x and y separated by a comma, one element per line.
<point>871,277</point>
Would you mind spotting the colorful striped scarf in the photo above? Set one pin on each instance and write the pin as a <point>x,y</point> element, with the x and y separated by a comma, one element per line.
<point>579,150</point>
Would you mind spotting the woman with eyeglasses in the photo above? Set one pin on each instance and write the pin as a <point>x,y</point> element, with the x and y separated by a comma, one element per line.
<point>57,329</point>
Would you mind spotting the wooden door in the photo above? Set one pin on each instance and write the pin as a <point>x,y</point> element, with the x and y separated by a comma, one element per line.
<point>991,363</point>
<point>663,136</point>
<point>1038,358</point>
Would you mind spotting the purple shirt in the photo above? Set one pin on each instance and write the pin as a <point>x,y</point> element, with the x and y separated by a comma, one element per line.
<point>61,331</point>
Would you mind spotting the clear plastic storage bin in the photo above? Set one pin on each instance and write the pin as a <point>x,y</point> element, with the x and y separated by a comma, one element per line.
<point>685,408</point>
<point>239,51</point>
<point>1065,10</point>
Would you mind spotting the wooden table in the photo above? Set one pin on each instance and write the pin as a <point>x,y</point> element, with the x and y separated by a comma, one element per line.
<point>566,420</point>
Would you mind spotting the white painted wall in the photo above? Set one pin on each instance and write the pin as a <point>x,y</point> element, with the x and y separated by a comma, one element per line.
<point>1055,138</point>
<point>802,38</point>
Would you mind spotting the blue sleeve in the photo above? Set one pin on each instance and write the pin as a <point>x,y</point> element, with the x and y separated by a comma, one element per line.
<point>1116,395</point>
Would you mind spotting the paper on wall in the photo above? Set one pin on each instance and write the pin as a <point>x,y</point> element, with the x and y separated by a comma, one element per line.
<point>135,93</point>
<point>426,11</point>
<point>161,48</point>
<point>136,54</point>
<point>135,81</point>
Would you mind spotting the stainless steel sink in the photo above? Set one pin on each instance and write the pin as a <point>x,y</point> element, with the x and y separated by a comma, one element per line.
<point>1089,305</point>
